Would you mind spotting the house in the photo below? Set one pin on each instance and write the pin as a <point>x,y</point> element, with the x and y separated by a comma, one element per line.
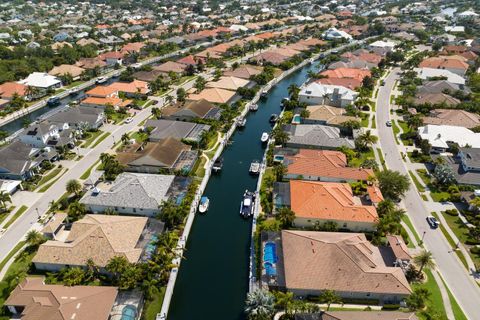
<point>67,69</point>
<point>9,89</point>
<point>168,155</point>
<point>191,60</point>
<point>131,89</point>
<point>348,83</point>
<point>323,94</point>
<point>321,165</point>
<point>45,133</point>
<point>10,186</point>
<point>112,58</point>
<point>347,263</point>
<point>453,64</point>
<point>440,136</point>
<point>19,161</point>
<point>102,103</point>
<point>188,111</point>
<point>245,71</point>
<point>79,117</point>
<point>85,42</point>
<point>180,130</point>
<point>42,81</point>
<point>269,57</point>
<point>130,193</point>
<point>214,95</point>
<point>97,237</point>
<point>149,76</point>
<point>33,299</point>
<point>349,73</point>
<point>386,45</point>
<point>102,92</point>
<point>399,249</point>
<point>440,86</point>
<point>429,73</point>
<point>315,202</point>
<point>170,66</point>
<point>335,34</point>
<point>357,315</point>
<point>91,63</point>
<point>228,83</point>
<point>435,99</point>
<point>54,225</point>
<point>60,45</point>
<point>452,117</point>
<point>133,47</point>
<point>327,115</point>
<point>315,136</point>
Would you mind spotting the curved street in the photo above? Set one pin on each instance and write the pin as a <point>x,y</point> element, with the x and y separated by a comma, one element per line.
<point>460,282</point>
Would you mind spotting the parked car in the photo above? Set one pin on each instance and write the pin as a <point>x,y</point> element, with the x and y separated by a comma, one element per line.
<point>128,120</point>
<point>388,123</point>
<point>433,222</point>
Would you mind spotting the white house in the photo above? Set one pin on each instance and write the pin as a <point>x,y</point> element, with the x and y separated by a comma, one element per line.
<point>388,45</point>
<point>440,136</point>
<point>237,28</point>
<point>454,29</point>
<point>334,33</point>
<point>323,94</point>
<point>427,73</point>
<point>41,80</point>
<point>467,15</point>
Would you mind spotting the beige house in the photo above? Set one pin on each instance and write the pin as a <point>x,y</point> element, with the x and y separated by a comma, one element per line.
<point>228,83</point>
<point>213,95</point>
<point>65,69</point>
<point>95,236</point>
<point>327,115</point>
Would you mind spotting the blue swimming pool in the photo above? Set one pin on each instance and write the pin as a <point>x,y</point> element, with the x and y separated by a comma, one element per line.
<point>129,313</point>
<point>269,253</point>
<point>297,119</point>
<point>270,269</point>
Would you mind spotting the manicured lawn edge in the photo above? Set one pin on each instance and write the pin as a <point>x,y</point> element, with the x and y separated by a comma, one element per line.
<point>407,221</point>
<point>11,254</point>
<point>17,214</point>
<point>102,137</point>
<point>86,174</point>
<point>417,183</point>
<point>46,187</point>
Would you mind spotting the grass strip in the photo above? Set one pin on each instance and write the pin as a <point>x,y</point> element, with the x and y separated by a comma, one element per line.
<point>457,311</point>
<point>435,303</point>
<point>102,137</point>
<point>417,183</point>
<point>154,306</point>
<point>93,135</point>
<point>11,254</point>
<point>17,214</point>
<point>86,174</point>
<point>46,187</point>
<point>407,221</point>
<point>382,159</point>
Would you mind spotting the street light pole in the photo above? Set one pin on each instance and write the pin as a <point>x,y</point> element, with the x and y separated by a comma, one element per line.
<point>38,213</point>
<point>423,236</point>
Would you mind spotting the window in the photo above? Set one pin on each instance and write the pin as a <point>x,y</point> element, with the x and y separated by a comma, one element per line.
<point>345,225</point>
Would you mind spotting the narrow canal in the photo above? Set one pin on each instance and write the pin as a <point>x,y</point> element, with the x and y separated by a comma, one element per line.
<point>213,278</point>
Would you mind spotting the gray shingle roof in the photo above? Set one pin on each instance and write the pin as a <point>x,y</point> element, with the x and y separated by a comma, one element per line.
<point>316,136</point>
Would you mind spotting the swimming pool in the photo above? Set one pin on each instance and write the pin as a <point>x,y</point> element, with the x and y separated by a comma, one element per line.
<point>269,253</point>
<point>297,119</point>
<point>270,269</point>
<point>129,313</point>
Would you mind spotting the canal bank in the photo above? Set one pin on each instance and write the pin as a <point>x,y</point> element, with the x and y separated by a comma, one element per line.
<point>213,278</point>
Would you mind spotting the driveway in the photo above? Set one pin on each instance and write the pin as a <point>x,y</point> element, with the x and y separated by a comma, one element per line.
<point>459,281</point>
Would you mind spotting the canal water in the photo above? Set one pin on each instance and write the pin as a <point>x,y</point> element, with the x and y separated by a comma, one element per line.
<point>213,278</point>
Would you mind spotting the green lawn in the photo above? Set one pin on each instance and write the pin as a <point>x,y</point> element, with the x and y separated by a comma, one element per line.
<point>86,174</point>
<point>17,214</point>
<point>396,130</point>
<point>457,311</point>
<point>4,214</point>
<point>451,242</point>
<point>423,174</point>
<point>435,303</point>
<point>382,159</point>
<point>11,254</point>
<point>139,136</point>
<point>154,306</point>
<point>439,196</point>
<point>407,221</point>
<point>74,84</point>
<point>356,162</point>
<point>92,136</point>
<point>52,174</point>
<point>102,137</point>
<point>374,123</point>
<point>365,119</point>
<point>199,168</point>
<point>48,185</point>
<point>417,183</point>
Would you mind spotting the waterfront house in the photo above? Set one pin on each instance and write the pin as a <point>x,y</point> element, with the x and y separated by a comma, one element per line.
<point>315,202</point>
<point>180,130</point>
<point>228,83</point>
<point>167,154</point>
<point>131,89</point>
<point>79,116</point>
<point>9,89</point>
<point>327,115</point>
<point>102,92</point>
<point>347,263</point>
<point>269,57</point>
<point>317,94</point>
<point>42,81</point>
<point>188,111</point>
<point>130,193</point>
<point>98,237</point>
<point>315,136</point>
<point>214,95</point>
<point>33,299</point>
<point>357,315</point>
<point>244,71</point>
<point>348,73</point>
<point>320,165</point>
<point>348,83</point>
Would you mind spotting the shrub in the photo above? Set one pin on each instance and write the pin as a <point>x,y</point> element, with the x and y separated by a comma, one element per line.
<point>475,250</point>
<point>452,212</point>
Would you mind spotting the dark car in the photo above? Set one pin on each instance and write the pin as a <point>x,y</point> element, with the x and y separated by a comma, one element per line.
<point>433,222</point>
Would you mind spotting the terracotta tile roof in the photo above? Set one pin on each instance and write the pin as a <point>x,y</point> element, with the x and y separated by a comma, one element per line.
<point>133,47</point>
<point>91,63</point>
<point>102,91</point>
<point>214,95</point>
<point>136,86</point>
<point>208,53</point>
<point>362,315</point>
<point>469,55</point>
<point>399,248</point>
<point>375,194</point>
<point>265,35</point>
<point>312,42</point>
<point>102,101</point>
<point>271,57</point>
<point>328,201</point>
<point>324,163</point>
<point>347,73</point>
<point>112,55</point>
<point>8,89</point>
<point>98,237</point>
<point>449,62</point>
<point>170,66</point>
<point>349,83</point>
<point>190,60</point>
<point>284,51</point>
<point>343,262</point>
<point>57,302</point>
<point>453,49</point>
<point>452,117</point>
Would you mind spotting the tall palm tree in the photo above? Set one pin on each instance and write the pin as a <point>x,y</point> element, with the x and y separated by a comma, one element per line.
<point>259,305</point>
<point>293,91</point>
<point>366,139</point>
<point>73,186</point>
<point>4,199</point>
<point>34,238</point>
<point>284,300</point>
<point>329,297</point>
<point>424,259</point>
<point>125,138</point>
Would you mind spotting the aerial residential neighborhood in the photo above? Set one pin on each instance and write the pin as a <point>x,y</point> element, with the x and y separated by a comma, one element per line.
<point>257,160</point>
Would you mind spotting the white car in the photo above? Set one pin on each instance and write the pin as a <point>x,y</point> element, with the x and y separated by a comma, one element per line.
<point>388,123</point>
<point>128,120</point>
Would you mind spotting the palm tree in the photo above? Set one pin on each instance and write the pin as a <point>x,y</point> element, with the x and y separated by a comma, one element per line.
<point>125,138</point>
<point>157,113</point>
<point>4,199</point>
<point>283,300</point>
<point>366,139</point>
<point>424,259</point>
<point>34,238</point>
<point>259,305</point>
<point>53,206</point>
<point>293,91</point>
<point>73,186</point>
<point>76,210</point>
<point>414,122</point>
<point>286,217</point>
<point>329,297</point>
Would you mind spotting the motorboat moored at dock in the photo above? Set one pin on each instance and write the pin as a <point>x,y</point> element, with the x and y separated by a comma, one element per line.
<point>218,165</point>
<point>255,167</point>
<point>204,204</point>
<point>247,205</point>
<point>264,137</point>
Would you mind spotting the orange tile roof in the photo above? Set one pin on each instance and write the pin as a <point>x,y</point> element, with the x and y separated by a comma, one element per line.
<point>133,47</point>
<point>324,163</point>
<point>349,83</point>
<point>375,194</point>
<point>358,74</point>
<point>136,86</point>
<point>265,35</point>
<point>328,201</point>
<point>8,89</point>
<point>102,91</point>
<point>444,63</point>
<point>103,101</point>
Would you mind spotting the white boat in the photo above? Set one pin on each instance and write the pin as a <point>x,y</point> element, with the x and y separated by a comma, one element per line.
<point>264,137</point>
<point>204,203</point>
<point>247,204</point>
<point>254,167</point>
<point>264,93</point>
<point>242,122</point>
<point>253,107</point>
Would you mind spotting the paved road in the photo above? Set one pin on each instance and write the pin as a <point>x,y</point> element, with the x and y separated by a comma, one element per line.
<point>459,281</point>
